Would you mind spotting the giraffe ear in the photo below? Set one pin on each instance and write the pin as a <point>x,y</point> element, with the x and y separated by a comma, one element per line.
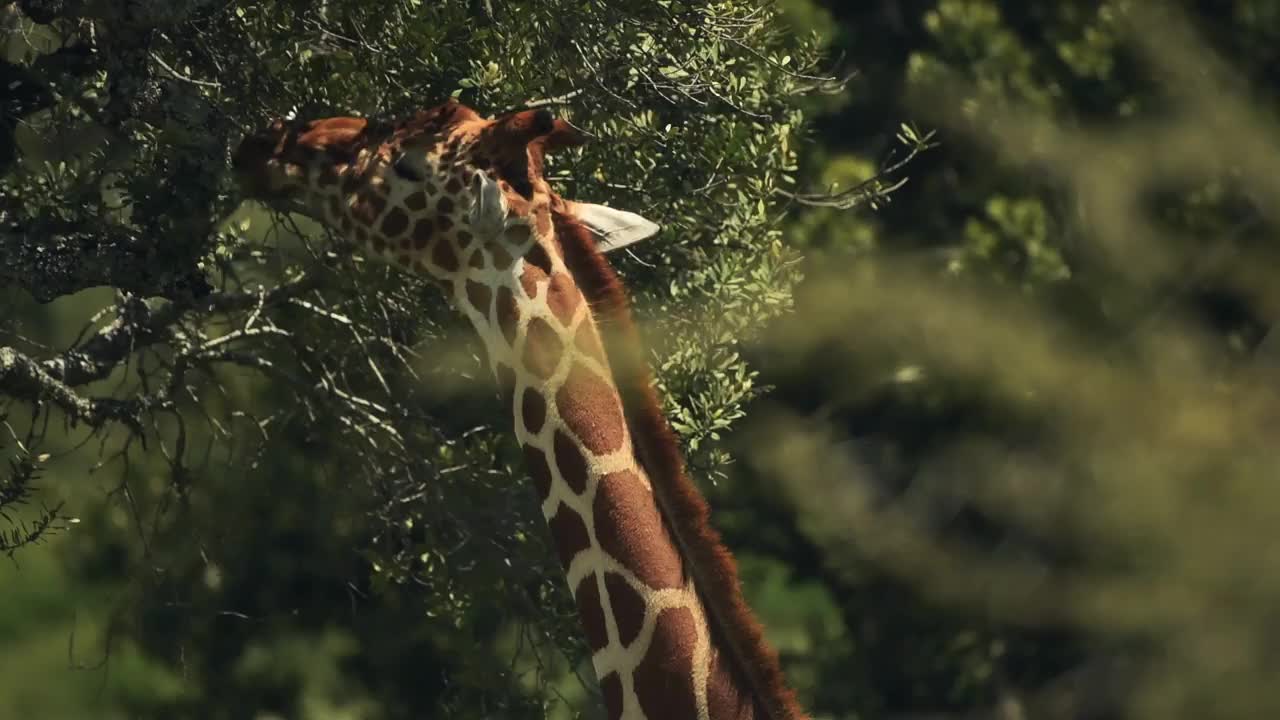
<point>614,229</point>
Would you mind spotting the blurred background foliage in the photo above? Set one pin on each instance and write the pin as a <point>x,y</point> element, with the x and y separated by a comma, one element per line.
<point>999,449</point>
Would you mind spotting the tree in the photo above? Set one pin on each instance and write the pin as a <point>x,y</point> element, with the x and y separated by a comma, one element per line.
<point>323,510</point>
<point>1000,400</point>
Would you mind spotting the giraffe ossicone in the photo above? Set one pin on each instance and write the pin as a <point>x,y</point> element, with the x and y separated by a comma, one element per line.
<point>463,199</point>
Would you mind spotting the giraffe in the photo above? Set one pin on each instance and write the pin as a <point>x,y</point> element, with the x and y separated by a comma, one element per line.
<point>462,199</point>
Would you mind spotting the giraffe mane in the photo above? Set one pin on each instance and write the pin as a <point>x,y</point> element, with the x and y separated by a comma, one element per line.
<point>680,502</point>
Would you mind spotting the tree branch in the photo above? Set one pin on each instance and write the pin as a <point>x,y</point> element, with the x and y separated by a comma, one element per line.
<point>139,325</point>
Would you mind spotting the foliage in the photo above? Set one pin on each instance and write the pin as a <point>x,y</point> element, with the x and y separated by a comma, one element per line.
<point>1023,416</point>
<point>1003,448</point>
<point>323,513</point>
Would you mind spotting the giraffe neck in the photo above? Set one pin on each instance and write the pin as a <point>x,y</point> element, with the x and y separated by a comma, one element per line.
<point>659,651</point>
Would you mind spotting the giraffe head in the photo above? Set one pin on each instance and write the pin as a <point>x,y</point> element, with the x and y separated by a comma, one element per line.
<point>440,191</point>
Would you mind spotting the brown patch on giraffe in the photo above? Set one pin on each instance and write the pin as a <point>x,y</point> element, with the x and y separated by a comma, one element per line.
<point>537,257</point>
<point>368,206</point>
<point>587,340</point>
<point>536,461</point>
<point>570,463</point>
<point>627,525</point>
<point>683,508</point>
<point>664,678</point>
<point>569,534</point>
<point>479,296</point>
<point>533,410</point>
<point>611,688</point>
<point>464,238</point>
<point>422,232</point>
<point>542,348</point>
<point>416,201</point>
<point>563,297</point>
<point>542,222</point>
<point>530,276</point>
<point>591,410</point>
<point>501,258</point>
<point>396,222</point>
<point>445,222</point>
<point>454,186</point>
<point>444,205</point>
<point>587,595</point>
<point>508,314</point>
<point>477,259</point>
<point>627,606</point>
<point>726,693</point>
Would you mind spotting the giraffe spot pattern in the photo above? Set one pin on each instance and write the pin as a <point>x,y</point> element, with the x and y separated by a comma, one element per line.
<point>587,340</point>
<point>627,607</point>
<point>542,348</point>
<point>563,297</point>
<point>570,536</point>
<point>479,296</point>
<point>422,231</point>
<point>396,222</point>
<point>664,680</point>
<point>368,206</point>
<point>591,410</point>
<point>587,595</point>
<point>536,461</point>
<point>530,277</point>
<point>533,411</point>
<point>570,463</point>
<point>508,314</point>
<point>611,688</point>
<point>501,258</point>
<point>416,201</point>
<point>627,522</point>
<point>542,221</point>
<point>537,256</point>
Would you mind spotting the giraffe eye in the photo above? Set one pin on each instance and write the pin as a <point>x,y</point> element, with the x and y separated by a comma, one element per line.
<point>407,168</point>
